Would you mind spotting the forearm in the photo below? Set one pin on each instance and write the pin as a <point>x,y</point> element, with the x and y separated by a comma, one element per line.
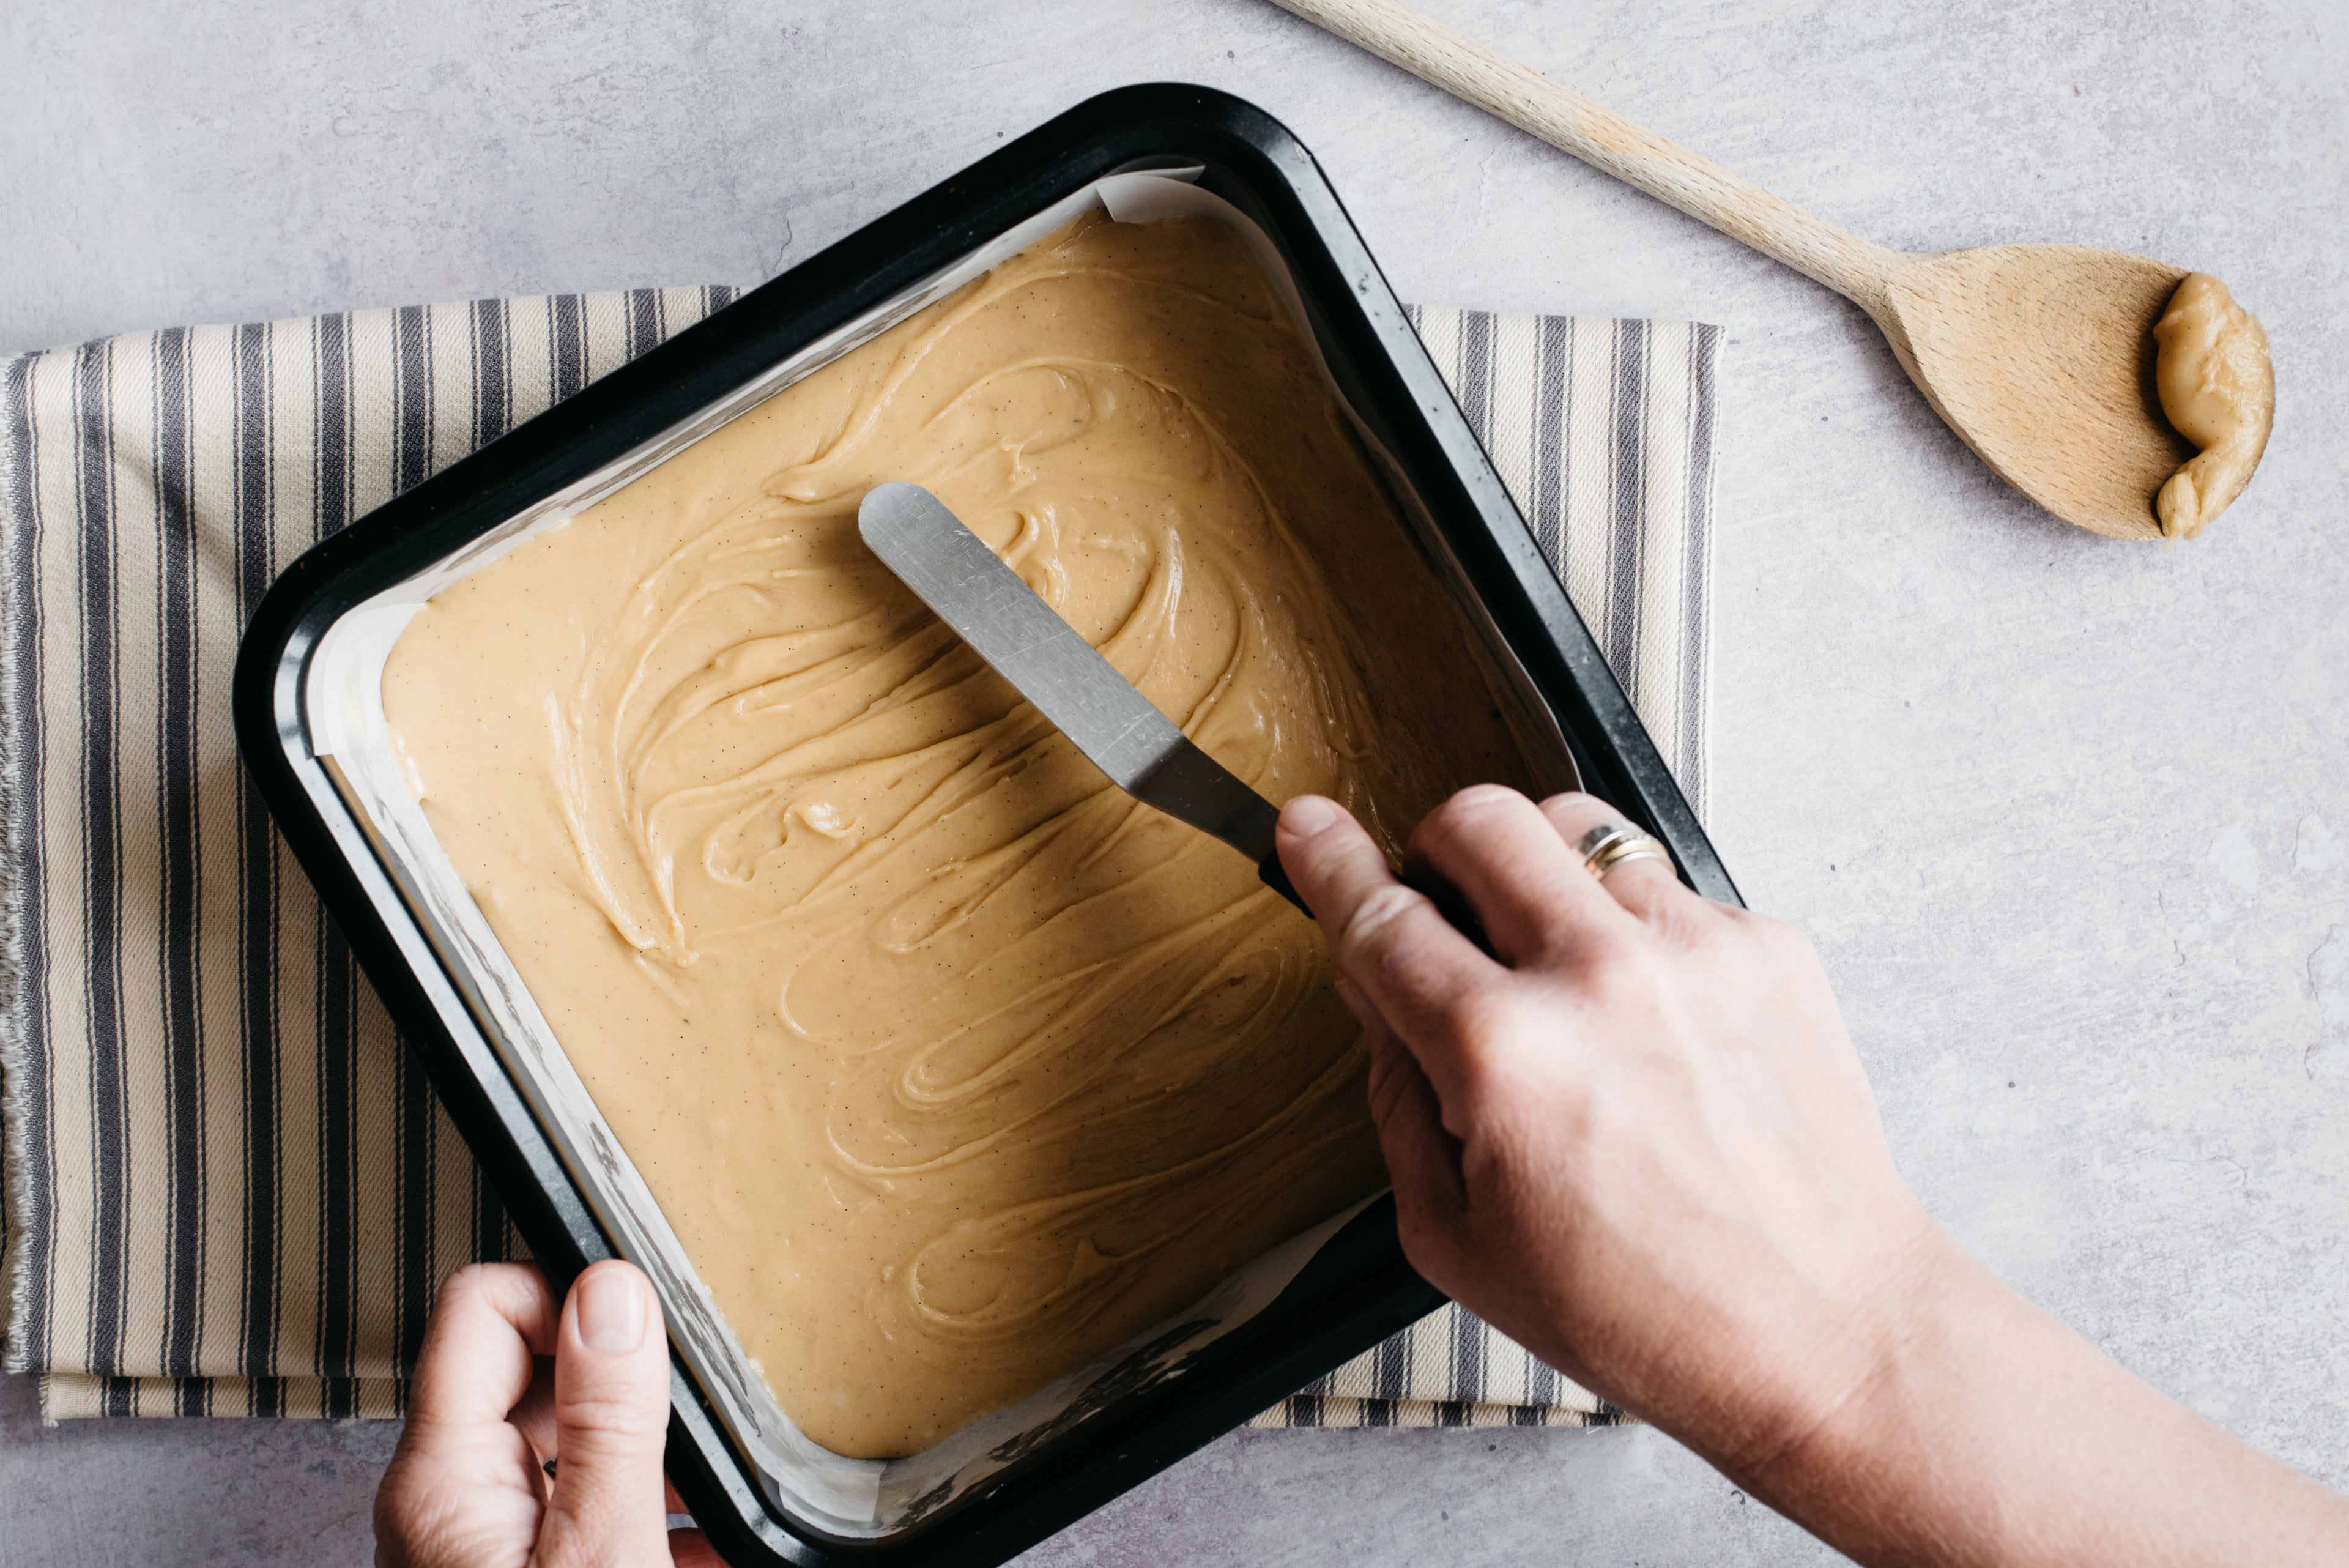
<point>1987,1432</point>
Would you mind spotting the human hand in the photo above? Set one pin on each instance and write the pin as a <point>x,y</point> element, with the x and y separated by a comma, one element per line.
<point>468,1487</point>
<point>1636,1139</point>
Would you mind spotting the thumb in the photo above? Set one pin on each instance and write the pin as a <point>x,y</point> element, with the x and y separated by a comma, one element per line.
<point>611,1422</point>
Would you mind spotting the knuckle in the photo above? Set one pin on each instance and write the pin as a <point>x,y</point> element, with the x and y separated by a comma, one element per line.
<point>1370,929</point>
<point>1622,972</point>
<point>1495,1038</point>
<point>612,1415</point>
<point>1457,818</point>
<point>1609,950</point>
<point>464,1285</point>
<point>1479,797</point>
<point>1401,977</point>
<point>1688,922</point>
<point>1573,812</point>
<point>1484,1019</point>
<point>489,1280</point>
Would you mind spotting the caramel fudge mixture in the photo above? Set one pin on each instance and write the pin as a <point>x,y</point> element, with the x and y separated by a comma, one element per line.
<point>951,1065</point>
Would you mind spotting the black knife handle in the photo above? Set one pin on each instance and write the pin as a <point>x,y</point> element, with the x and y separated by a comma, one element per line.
<point>1443,895</point>
<point>1275,875</point>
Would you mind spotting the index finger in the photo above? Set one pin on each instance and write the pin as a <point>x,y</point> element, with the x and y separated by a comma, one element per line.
<point>490,1319</point>
<point>1388,939</point>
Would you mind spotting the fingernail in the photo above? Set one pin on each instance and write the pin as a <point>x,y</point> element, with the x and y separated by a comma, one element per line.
<point>611,1311</point>
<point>1309,814</point>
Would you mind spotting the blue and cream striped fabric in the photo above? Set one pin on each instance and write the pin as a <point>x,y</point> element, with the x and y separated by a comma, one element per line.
<point>227,1188</point>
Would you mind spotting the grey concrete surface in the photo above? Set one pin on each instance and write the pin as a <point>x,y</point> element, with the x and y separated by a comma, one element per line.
<point>2069,819</point>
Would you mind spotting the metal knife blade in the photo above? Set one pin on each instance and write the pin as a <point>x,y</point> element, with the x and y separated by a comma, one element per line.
<point>967,586</point>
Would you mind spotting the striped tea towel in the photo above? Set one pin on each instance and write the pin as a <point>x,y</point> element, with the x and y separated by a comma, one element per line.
<point>228,1190</point>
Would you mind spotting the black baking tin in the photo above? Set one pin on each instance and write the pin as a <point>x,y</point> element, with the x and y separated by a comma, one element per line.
<point>1357,1289</point>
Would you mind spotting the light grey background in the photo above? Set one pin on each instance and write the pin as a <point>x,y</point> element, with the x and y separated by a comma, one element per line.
<point>2069,819</point>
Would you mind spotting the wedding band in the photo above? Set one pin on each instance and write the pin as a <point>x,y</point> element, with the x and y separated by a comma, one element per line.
<point>1610,843</point>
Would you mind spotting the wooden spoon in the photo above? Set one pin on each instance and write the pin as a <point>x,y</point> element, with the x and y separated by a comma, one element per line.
<point>2040,356</point>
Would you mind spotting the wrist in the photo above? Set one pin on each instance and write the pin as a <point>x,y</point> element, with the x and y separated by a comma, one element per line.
<point>1772,1384</point>
<point>1829,1380</point>
<point>1871,1454</point>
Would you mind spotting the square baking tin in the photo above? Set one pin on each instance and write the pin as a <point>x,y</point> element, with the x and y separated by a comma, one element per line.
<point>307,704</point>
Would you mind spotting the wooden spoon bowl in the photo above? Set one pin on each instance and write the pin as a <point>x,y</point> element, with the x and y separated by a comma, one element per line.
<point>2041,357</point>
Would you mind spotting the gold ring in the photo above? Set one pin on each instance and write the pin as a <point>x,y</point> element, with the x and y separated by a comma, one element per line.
<point>1610,843</point>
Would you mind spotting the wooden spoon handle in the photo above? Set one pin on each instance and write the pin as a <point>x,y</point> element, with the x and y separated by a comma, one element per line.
<point>1609,143</point>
